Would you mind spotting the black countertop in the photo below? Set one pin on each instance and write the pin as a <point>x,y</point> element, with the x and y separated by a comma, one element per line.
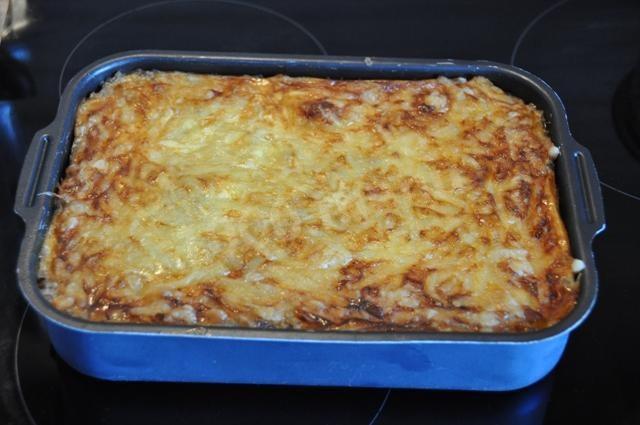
<point>585,50</point>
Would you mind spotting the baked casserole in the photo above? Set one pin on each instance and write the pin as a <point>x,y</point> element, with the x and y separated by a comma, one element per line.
<point>306,203</point>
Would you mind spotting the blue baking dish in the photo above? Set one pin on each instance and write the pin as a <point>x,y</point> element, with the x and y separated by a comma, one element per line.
<point>471,361</point>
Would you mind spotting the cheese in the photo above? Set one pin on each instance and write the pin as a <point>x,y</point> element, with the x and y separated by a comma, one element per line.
<point>311,204</point>
<point>577,265</point>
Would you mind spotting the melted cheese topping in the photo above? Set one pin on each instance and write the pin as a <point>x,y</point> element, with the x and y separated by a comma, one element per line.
<point>309,203</point>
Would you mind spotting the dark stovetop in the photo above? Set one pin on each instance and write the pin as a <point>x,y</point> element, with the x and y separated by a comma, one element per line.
<point>587,51</point>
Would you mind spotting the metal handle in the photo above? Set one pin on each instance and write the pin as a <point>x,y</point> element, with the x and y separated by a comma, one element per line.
<point>589,194</point>
<point>31,174</point>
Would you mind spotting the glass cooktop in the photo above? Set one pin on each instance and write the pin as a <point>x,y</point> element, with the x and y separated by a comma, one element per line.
<point>587,51</point>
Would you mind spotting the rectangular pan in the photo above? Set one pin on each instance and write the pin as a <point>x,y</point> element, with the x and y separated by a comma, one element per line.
<point>472,361</point>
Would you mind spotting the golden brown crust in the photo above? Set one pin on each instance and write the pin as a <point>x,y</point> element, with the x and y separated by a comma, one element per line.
<point>311,204</point>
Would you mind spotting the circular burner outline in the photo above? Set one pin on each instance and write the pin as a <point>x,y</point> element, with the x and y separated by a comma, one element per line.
<point>532,24</point>
<point>16,351</point>
<point>109,21</point>
<point>381,407</point>
<point>514,53</point>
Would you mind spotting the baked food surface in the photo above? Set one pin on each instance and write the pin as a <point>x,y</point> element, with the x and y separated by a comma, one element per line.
<point>310,204</point>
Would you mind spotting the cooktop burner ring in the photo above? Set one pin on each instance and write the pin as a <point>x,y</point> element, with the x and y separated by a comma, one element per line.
<point>516,48</point>
<point>144,7</point>
<point>532,24</point>
<point>16,369</point>
<point>381,407</point>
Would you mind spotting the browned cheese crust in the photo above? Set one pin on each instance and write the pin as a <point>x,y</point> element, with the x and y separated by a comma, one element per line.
<point>310,204</point>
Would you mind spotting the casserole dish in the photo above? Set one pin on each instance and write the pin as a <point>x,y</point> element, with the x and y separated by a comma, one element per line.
<point>397,359</point>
